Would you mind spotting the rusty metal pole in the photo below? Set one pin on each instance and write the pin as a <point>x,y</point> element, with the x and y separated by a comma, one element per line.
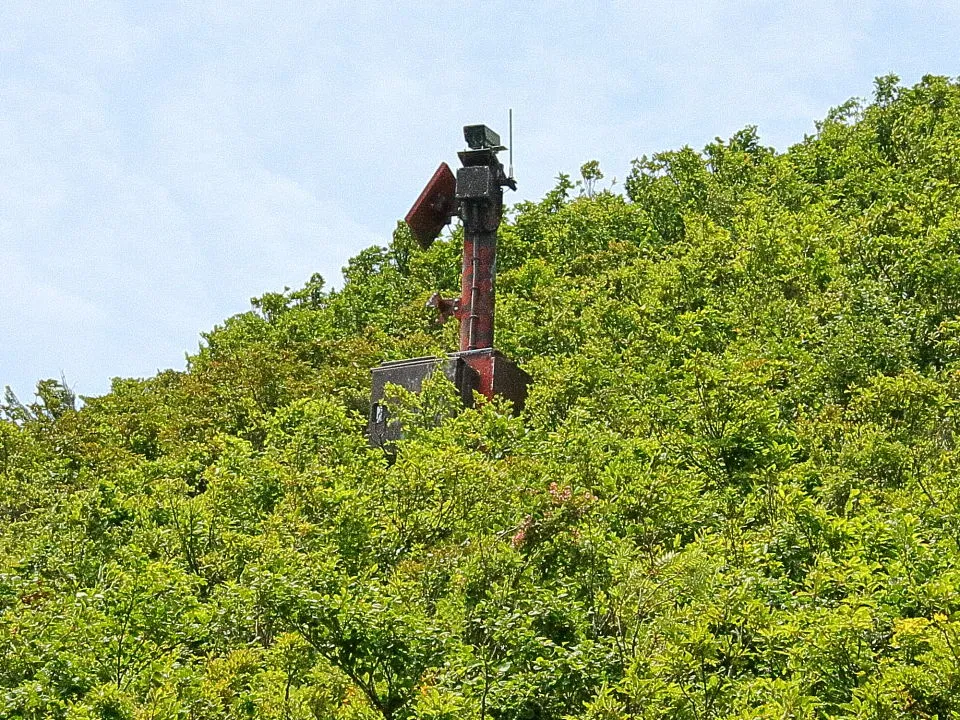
<point>480,185</point>
<point>477,294</point>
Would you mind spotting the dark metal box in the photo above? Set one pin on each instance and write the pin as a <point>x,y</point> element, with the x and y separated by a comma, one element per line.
<point>476,182</point>
<point>485,371</point>
<point>410,374</point>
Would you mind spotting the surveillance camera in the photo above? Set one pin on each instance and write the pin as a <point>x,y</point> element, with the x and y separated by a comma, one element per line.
<point>480,137</point>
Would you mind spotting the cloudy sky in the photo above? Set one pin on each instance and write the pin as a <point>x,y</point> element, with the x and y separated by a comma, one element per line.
<point>161,162</point>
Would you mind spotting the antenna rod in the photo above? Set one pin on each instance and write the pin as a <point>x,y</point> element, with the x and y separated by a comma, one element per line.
<point>511,144</point>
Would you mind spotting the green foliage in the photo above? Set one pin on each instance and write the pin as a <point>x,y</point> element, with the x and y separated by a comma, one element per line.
<point>732,492</point>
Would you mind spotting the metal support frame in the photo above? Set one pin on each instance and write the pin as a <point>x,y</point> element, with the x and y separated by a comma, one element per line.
<point>477,197</point>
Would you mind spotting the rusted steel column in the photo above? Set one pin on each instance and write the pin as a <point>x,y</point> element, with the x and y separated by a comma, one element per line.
<point>480,191</point>
<point>478,291</point>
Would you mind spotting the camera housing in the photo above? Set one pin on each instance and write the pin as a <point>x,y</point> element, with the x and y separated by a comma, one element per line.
<point>480,137</point>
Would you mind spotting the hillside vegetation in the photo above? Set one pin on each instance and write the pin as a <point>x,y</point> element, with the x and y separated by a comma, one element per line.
<point>734,491</point>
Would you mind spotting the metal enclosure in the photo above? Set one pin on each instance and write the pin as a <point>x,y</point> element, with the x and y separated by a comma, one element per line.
<point>484,371</point>
<point>410,374</point>
<point>475,183</point>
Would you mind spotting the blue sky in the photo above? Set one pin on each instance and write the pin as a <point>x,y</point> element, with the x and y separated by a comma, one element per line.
<point>163,162</point>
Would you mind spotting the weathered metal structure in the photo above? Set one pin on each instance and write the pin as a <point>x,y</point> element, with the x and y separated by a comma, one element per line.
<point>476,195</point>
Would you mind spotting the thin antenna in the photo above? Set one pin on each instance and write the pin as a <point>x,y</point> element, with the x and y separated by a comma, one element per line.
<point>511,143</point>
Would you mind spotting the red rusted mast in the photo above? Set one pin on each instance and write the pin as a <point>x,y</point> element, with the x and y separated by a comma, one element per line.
<point>480,185</point>
<point>478,191</point>
<point>477,298</point>
<point>481,201</point>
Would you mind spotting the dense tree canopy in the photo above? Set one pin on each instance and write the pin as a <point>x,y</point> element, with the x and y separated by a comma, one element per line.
<point>734,491</point>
